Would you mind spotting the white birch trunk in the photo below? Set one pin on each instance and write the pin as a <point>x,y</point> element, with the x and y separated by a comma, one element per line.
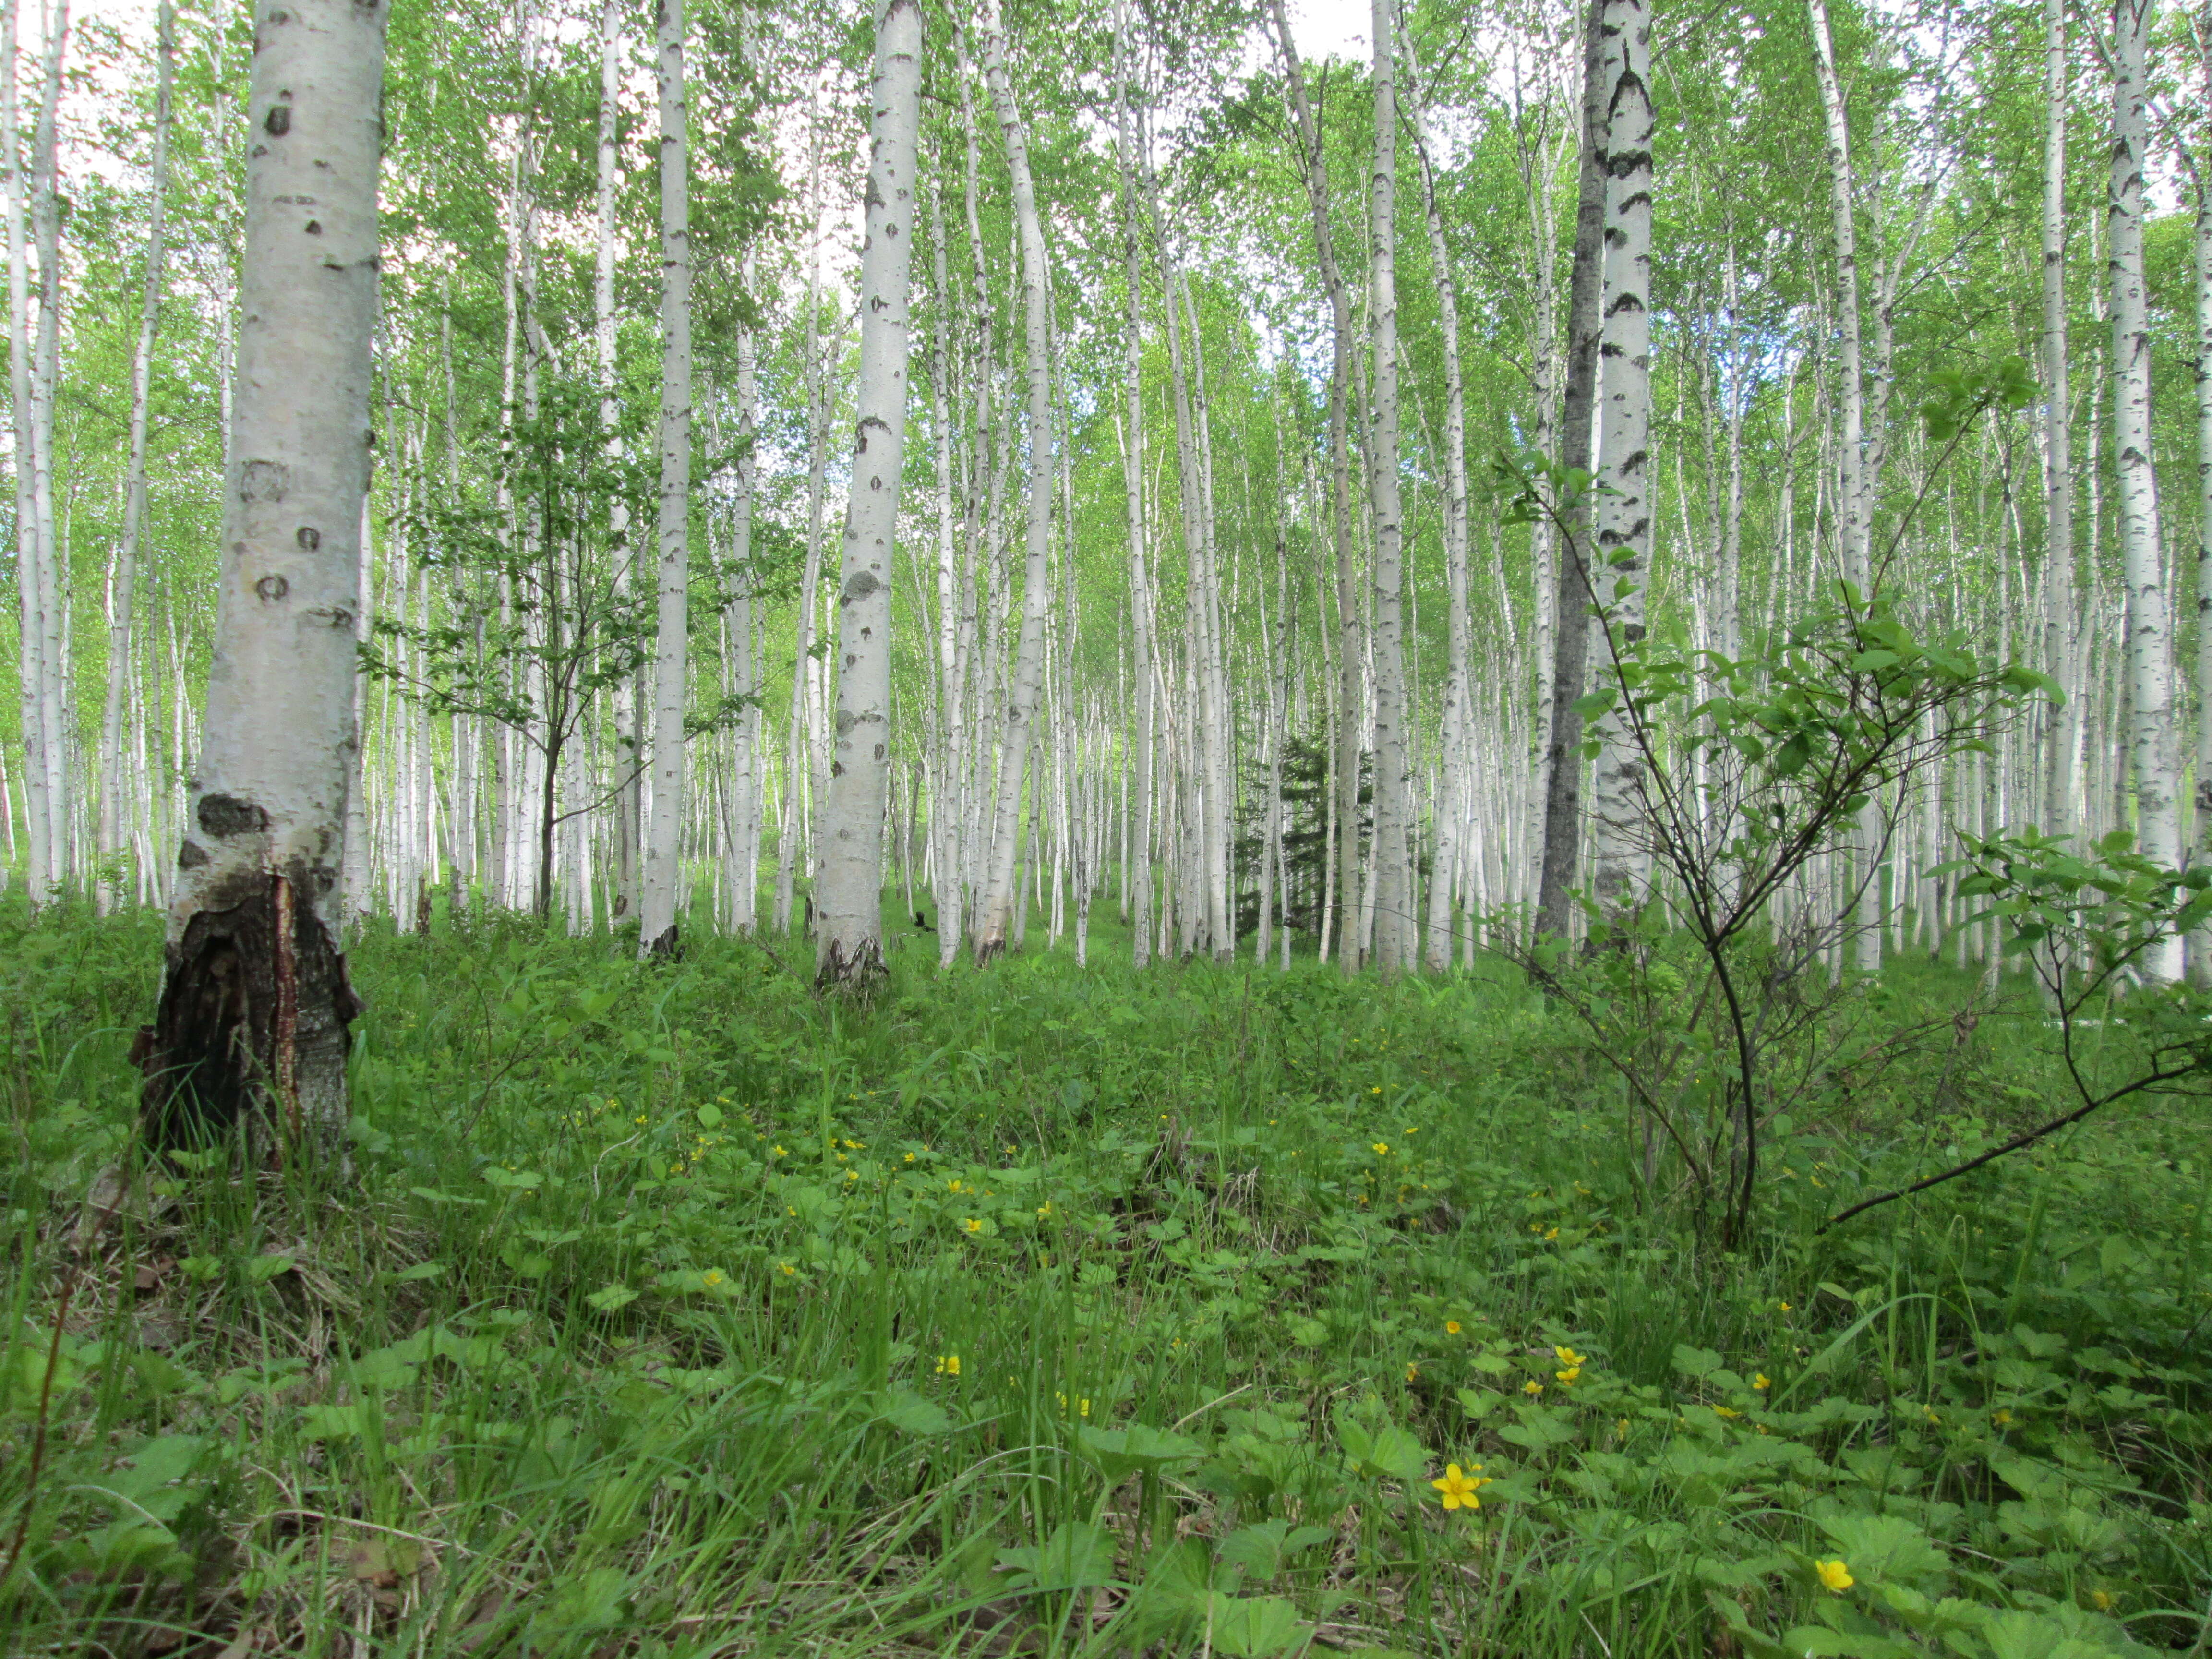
<point>995,922</point>
<point>1393,903</point>
<point>134,487</point>
<point>30,550</point>
<point>1624,510</point>
<point>657,934</point>
<point>1437,953</point>
<point>2150,682</point>
<point>850,953</point>
<point>254,1004</point>
<point>2061,625</point>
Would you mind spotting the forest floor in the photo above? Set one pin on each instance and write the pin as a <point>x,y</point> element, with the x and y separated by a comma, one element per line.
<point>1044,1311</point>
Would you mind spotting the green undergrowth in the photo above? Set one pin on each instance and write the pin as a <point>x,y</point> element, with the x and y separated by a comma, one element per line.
<point>1058,1311</point>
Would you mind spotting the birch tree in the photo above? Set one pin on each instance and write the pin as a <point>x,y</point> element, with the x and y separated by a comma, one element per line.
<point>1393,903</point>
<point>111,784</point>
<point>851,929</point>
<point>1624,505</point>
<point>1576,594</point>
<point>1437,947</point>
<point>2061,623</point>
<point>2150,611</point>
<point>657,934</point>
<point>994,922</point>
<point>254,1007</point>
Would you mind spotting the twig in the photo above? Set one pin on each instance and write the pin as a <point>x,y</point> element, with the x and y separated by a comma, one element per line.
<point>2026,1138</point>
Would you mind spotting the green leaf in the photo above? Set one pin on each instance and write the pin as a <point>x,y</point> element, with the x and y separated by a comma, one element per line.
<point>1385,1452</point>
<point>1077,1556</point>
<point>1137,1450</point>
<point>1251,1627</point>
<point>612,1298</point>
<point>1262,1550</point>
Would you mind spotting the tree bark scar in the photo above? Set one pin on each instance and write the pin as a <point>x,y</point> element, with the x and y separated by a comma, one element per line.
<point>253,981</point>
<point>286,1036</point>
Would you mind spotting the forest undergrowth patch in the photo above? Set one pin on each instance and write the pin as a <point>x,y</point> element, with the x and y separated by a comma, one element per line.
<point>676,1311</point>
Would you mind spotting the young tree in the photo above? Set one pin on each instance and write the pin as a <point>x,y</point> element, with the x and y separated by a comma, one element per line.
<point>254,1007</point>
<point>850,951</point>
<point>663,874</point>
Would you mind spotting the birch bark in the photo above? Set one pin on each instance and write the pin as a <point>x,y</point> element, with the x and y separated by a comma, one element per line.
<point>657,934</point>
<point>134,486</point>
<point>742,873</point>
<point>994,923</point>
<point>254,1005</point>
<point>1394,919</point>
<point>1352,650</point>
<point>1133,491</point>
<point>1436,951</point>
<point>2150,684</point>
<point>1625,509</point>
<point>851,891</point>
<point>30,550</point>
<point>1562,757</point>
<point>2201,176</point>
<point>46,373</point>
<point>629,759</point>
<point>2061,625</point>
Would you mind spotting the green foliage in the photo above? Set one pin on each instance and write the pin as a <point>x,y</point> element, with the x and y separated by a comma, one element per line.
<point>1094,1310</point>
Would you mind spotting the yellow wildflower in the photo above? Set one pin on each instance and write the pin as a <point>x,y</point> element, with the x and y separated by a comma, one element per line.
<point>1567,1377</point>
<point>1835,1575</point>
<point>1412,1370</point>
<point>1532,1388</point>
<point>1381,1149</point>
<point>1761,1381</point>
<point>1460,1487</point>
<point>948,1364</point>
<point>2101,1599</point>
<point>714,1277</point>
<point>972,1225</point>
<point>1567,1356</point>
<point>2002,1417</point>
<point>1726,1411</point>
<point>1451,1327</point>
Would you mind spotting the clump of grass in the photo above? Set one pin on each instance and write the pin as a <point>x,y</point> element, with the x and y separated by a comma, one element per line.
<point>676,1311</point>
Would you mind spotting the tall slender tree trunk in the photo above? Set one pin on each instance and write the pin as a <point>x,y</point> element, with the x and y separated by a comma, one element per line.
<point>1562,754</point>
<point>2149,671</point>
<point>1854,496</point>
<point>1437,945</point>
<point>852,929</point>
<point>630,755</point>
<point>1625,508</point>
<point>30,551</point>
<point>134,486</point>
<point>2062,627</point>
<point>1394,908</point>
<point>1133,492</point>
<point>996,920</point>
<point>2201,177</point>
<point>790,828</point>
<point>656,935</point>
<point>1351,651</point>
<point>742,873</point>
<point>254,1005</point>
<point>45,376</point>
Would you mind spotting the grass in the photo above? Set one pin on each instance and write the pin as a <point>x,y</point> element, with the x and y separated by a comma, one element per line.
<point>678,1312</point>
